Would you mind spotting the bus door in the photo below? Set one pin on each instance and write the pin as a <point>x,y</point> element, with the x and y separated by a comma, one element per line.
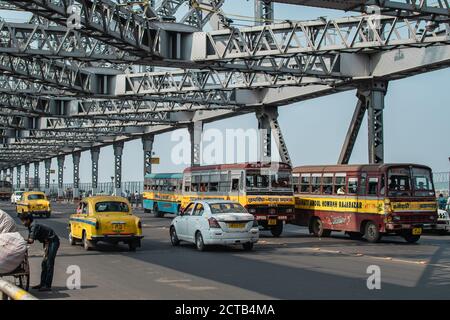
<point>237,185</point>
<point>373,195</point>
<point>353,203</point>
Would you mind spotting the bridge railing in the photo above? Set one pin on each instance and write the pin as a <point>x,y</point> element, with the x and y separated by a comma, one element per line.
<point>8,291</point>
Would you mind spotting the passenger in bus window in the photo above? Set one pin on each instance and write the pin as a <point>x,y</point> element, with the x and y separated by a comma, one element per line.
<point>341,190</point>
<point>328,190</point>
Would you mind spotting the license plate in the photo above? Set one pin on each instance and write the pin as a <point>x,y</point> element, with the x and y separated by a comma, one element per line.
<point>236,225</point>
<point>416,231</point>
<point>272,222</point>
<point>118,227</point>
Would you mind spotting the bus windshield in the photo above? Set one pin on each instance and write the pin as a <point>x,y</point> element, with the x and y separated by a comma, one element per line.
<point>423,184</point>
<point>256,180</point>
<point>408,182</point>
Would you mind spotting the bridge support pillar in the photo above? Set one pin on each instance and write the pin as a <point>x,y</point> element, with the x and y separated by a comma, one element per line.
<point>48,164</point>
<point>370,99</point>
<point>264,13</point>
<point>18,177</point>
<point>60,160</point>
<point>195,132</point>
<point>76,174</point>
<point>95,154</point>
<point>268,126</point>
<point>118,151</point>
<point>36,176</point>
<point>27,177</point>
<point>147,143</point>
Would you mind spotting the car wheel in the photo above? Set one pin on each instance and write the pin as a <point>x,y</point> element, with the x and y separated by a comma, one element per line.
<point>372,234</point>
<point>248,246</point>
<point>278,230</point>
<point>72,241</point>
<point>174,237</point>
<point>411,238</point>
<point>132,246</point>
<point>199,242</point>
<point>86,243</point>
<point>318,230</point>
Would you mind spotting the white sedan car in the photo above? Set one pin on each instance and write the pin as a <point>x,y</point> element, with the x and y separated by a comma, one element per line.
<point>15,197</point>
<point>443,223</point>
<point>215,222</point>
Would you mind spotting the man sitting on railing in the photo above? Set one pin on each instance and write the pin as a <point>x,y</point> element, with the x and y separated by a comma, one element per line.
<point>50,240</point>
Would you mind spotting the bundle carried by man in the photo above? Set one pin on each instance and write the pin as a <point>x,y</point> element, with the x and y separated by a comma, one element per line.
<point>12,245</point>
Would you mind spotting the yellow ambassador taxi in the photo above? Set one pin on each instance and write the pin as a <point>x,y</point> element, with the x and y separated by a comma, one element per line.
<point>34,203</point>
<point>106,219</point>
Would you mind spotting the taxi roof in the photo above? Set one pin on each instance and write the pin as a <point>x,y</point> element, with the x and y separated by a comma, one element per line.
<point>105,198</point>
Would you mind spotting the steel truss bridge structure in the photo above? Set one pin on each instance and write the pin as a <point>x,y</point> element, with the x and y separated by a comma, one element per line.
<point>78,75</point>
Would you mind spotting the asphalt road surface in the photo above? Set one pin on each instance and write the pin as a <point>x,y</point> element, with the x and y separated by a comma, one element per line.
<point>294,266</point>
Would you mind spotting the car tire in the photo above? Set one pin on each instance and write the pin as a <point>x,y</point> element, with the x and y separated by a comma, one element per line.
<point>132,246</point>
<point>248,246</point>
<point>372,234</point>
<point>174,237</point>
<point>87,245</point>
<point>411,238</point>
<point>199,243</point>
<point>277,230</point>
<point>318,230</point>
<point>72,240</point>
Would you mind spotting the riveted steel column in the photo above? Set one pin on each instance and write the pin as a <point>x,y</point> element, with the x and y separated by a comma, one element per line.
<point>48,164</point>
<point>195,131</point>
<point>375,118</point>
<point>27,177</point>
<point>36,176</point>
<point>147,143</point>
<point>264,12</point>
<point>18,177</point>
<point>60,160</point>
<point>76,174</point>
<point>95,154</point>
<point>118,151</point>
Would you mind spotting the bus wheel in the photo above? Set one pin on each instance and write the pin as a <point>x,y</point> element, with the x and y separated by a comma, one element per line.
<point>411,238</point>
<point>156,211</point>
<point>278,230</point>
<point>146,210</point>
<point>372,234</point>
<point>318,230</point>
<point>355,235</point>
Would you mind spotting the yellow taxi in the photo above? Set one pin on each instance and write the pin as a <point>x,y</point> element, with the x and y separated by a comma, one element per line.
<point>106,219</point>
<point>34,203</point>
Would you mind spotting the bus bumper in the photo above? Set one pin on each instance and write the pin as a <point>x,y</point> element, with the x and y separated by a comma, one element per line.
<point>395,227</point>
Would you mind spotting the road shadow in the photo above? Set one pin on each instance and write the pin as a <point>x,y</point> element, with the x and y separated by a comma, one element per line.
<point>57,292</point>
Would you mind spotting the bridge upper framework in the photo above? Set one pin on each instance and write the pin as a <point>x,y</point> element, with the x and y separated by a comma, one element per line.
<point>66,90</point>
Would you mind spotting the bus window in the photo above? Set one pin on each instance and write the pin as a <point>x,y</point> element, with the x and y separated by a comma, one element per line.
<point>255,180</point>
<point>362,186</point>
<point>296,183</point>
<point>327,182</point>
<point>315,183</point>
<point>423,186</point>
<point>281,180</point>
<point>235,184</point>
<point>352,185</point>
<point>339,184</point>
<point>305,183</point>
<point>214,187</point>
<point>372,186</point>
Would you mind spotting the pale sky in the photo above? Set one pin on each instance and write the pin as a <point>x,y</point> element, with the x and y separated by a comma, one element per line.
<point>416,118</point>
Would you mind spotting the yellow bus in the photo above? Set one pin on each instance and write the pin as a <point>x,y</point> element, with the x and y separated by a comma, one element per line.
<point>162,193</point>
<point>265,189</point>
<point>365,200</point>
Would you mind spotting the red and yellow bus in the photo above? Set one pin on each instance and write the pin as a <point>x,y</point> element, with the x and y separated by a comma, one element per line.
<point>265,189</point>
<point>365,200</point>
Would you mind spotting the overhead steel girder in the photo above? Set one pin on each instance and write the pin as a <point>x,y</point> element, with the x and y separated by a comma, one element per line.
<point>111,23</point>
<point>433,10</point>
<point>318,37</point>
<point>51,72</point>
<point>178,81</point>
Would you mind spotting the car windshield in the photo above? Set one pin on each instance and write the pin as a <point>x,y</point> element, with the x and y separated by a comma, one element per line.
<point>36,197</point>
<point>217,208</point>
<point>111,206</point>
